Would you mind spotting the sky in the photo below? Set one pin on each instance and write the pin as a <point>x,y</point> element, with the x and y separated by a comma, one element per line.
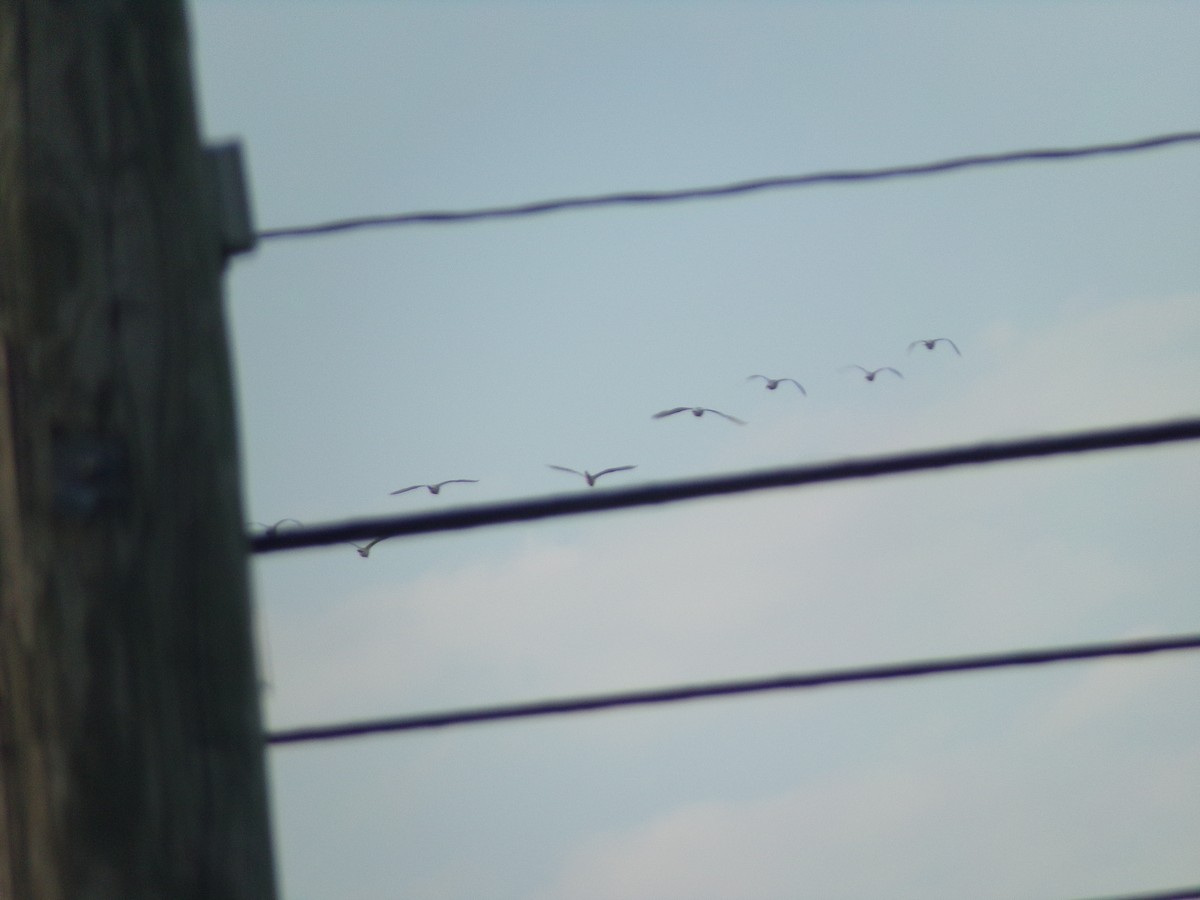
<point>371,360</point>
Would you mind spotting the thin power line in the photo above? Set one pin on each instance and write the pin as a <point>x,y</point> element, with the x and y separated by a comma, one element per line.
<point>711,486</point>
<point>740,187</point>
<point>1186,893</point>
<point>1170,894</point>
<point>886,671</point>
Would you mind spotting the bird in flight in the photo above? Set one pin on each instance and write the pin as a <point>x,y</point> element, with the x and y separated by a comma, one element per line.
<point>773,383</point>
<point>436,488</point>
<point>872,373</point>
<point>591,479</point>
<point>932,342</point>
<point>272,530</point>
<point>364,550</point>
<point>696,411</point>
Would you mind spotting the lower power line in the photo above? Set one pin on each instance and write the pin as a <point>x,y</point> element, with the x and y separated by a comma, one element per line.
<point>882,672</point>
<point>1186,893</point>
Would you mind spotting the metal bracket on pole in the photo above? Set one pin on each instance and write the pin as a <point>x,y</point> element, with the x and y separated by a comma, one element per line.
<point>228,173</point>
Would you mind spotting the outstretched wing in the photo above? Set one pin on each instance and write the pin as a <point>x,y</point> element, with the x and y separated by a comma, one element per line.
<point>411,487</point>
<point>951,343</point>
<point>613,469</point>
<point>565,469</point>
<point>797,384</point>
<point>364,550</point>
<point>915,344</point>
<point>733,419</point>
<point>752,377</point>
<point>889,369</point>
<point>862,369</point>
<point>457,481</point>
<point>670,412</point>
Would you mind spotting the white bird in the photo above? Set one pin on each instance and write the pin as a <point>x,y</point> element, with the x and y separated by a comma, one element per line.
<point>696,411</point>
<point>932,342</point>
<point>773,383</point>
<point>272,530</point>
<point>364,550</point>
<point>435,488</point>
<point>591,479</point>
<point>871,373</point>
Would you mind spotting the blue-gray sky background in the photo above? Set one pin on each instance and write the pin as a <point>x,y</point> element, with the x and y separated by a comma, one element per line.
<point>371,360</point>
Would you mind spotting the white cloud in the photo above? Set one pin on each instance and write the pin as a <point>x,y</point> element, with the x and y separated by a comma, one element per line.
<point>766,848</point>
<point>1006,815</point>
<point>731,587</point>
<point>1032,553</point>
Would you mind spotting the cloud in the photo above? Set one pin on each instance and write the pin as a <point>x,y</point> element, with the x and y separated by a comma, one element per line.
<point>1082,816</point>
<point>834,575</point>
<point>1085,775</point>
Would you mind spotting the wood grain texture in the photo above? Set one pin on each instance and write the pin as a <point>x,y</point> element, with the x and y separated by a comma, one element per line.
<point>131,749</point>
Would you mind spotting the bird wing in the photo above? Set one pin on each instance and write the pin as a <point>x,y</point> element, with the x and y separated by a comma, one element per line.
<point>952,344</point>
<point>914,344</point>
<point>613,469</point>
<point>565,469</point>
<point>725,415</point>
<point>752,377</point>
<point>365,549</point>
<point>411,487</point>
<point>857,366</point>
<point>669,412</point>
<point>797,384</point>
<point>458,481</point>
<point>889,369</point>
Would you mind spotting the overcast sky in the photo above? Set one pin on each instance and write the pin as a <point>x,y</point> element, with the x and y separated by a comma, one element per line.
<point>372,360</point>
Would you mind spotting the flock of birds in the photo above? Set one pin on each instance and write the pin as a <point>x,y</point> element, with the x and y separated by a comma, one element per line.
<point>771,384</point>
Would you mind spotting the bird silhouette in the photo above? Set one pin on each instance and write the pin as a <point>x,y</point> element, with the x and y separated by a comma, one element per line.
<point>871,373</point>
<point>696,411</point>
<point>930,343</point>
<point>591,479</point>
<point>272,530</point>
<point>773,383</point>
<point>435,488</point>
<point>364,550</point>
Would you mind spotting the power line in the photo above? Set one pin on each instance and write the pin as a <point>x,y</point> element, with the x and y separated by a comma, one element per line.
<point>711,486</point>
<point>1186,893</point>
<point>740,187</point>
<point>679,693</point>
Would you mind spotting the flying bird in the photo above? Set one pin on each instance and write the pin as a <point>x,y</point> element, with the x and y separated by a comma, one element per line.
<point>930,343</point>
<point>364,550</point>
<point>696,411</point>
<point>871,373</point>
<point>272,530</point>
<point>773,383</point>
<point>591,479</point>
<point>436,488</point>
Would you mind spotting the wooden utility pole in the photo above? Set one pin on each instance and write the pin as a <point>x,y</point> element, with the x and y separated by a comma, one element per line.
<point>131,746</point>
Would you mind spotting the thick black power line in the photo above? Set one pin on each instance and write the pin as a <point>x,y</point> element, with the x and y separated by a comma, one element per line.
<point>882,672</point>
<point>725,190</point>
<point>711,486</point>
